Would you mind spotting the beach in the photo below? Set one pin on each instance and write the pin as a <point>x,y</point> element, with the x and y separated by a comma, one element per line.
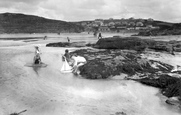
<point>45,91</point>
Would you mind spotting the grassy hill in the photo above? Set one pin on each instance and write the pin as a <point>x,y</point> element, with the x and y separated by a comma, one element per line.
<point>21,23</point>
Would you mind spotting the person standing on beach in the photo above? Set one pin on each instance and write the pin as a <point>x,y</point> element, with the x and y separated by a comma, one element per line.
<point>95,33</point>
<point>68,39</point>
<point>45,38</point>
<point>172,50</point>
<point>66,56</point>
<point>100,35</point>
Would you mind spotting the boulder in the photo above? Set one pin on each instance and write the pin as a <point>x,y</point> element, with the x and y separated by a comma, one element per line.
<point>66,44</point>
<point>138,44</point>
<point>102,64</point>
<point>173,101</point>
<point>58,44</point>
<point>131,43</point>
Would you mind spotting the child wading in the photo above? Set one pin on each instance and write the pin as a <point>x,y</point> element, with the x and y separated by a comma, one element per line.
<point>37,58</point>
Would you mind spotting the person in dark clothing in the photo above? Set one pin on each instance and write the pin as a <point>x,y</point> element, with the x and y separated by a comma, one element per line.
<point>172,50</point>
<point>100,35</point>
<point>66,56</point>
<point>68,39</point>
<point>95,34</point>
<point>45,37</point>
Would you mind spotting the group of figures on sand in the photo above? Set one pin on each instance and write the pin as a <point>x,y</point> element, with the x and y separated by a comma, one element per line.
<point>70,63</point>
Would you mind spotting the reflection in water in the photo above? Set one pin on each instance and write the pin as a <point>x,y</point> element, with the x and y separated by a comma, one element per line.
<point>36,69</point>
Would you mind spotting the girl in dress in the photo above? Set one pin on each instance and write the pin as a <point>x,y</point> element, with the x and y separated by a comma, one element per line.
<point>37,58</point>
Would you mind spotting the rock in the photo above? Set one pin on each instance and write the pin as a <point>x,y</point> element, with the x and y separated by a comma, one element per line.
<point>66,44</point>
<point>138,44</point>
<point>170,86</point>
<point>173,101</point>
<point>77,44</point>
<point>132,43</point>
<point>106,63</point>
<point>120,113</point>
<point>59,44</point>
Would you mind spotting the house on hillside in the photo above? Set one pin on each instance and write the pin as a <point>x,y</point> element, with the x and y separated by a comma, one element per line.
<point>88,29</point>
<point>83,23</point>
<point>120,28</point>
<point>130,28</point>
<point>117,23</point>
<point>150,19</point>
<point>95,25</point>
<point>124,23</point>
<point>131,18</point>
<point>141,28</point>
<point>139,24</point>
<point>149,26</point>
<point>104,29</point>
<point>132,24</point>
<point>99,22</point>
<point>111,24</point>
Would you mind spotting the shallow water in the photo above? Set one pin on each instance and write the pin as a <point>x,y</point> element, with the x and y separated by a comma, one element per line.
<point>45,91</point>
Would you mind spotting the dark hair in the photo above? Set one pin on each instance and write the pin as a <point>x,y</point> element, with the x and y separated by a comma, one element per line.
<point>66,50</point>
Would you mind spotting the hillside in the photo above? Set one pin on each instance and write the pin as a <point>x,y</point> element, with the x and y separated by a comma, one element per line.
<point>145,27</point>
<point>164,29</point>
<point>21,23</point>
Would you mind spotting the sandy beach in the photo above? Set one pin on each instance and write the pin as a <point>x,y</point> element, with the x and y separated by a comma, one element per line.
<point>47,91</point>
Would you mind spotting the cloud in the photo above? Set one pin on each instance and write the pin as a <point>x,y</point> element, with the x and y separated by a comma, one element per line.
<point>76,10</point>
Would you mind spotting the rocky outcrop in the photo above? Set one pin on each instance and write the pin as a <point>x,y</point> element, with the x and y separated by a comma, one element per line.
<point>174,101</point>
<point>131,43</point>
<point>105,63</point>
<point>170,87</point>
<point>116,55</point>
<point>66,44</point>
<point>138,44</point>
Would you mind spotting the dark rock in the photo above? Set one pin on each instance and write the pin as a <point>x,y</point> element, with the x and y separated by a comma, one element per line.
<point>138,44</point>
<point>173,101</point>
<point>132,43</point>
<point>120,113</point>
<point>66,44</point>
<point>105,63</point>
<point>59,44</point>
<point>170,86</point>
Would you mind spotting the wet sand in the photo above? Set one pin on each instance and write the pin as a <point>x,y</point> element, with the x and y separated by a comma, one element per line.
<point>45,91</point>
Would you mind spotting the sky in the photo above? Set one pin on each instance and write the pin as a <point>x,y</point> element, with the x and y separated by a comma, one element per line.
<point>79,10</point>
